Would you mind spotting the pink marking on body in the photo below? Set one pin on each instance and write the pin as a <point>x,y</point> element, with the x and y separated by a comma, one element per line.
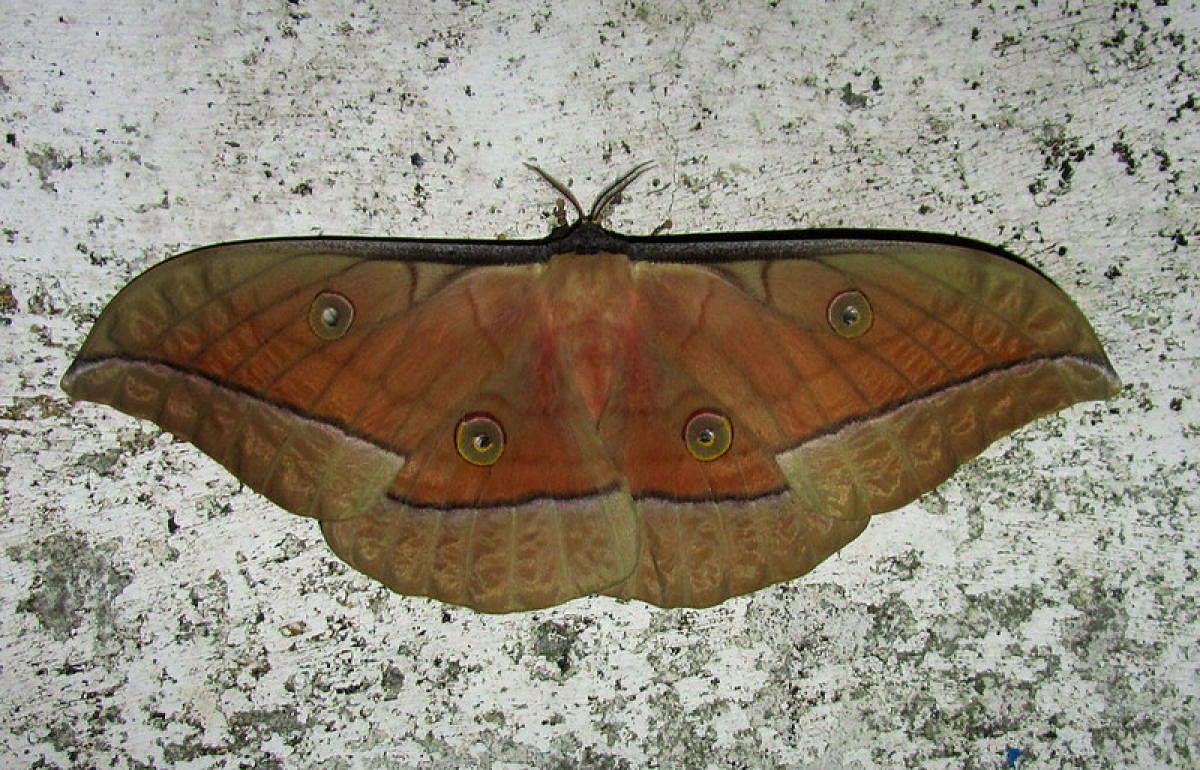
<point>590,320</point>
<point>595,357</point>
<point>546,368</point>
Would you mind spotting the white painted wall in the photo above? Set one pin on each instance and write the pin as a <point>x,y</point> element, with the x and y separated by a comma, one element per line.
<point>1044,600</point>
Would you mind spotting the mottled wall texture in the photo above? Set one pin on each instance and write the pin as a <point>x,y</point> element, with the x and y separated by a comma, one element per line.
<point>1038,610</point>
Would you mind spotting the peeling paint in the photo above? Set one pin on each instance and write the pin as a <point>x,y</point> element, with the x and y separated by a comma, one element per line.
<point>76,583</point>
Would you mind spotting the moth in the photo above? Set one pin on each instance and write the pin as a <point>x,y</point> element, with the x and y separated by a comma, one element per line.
<point>510,424</point>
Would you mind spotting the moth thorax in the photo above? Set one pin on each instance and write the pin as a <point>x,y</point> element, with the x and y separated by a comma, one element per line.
<point>592,317</point>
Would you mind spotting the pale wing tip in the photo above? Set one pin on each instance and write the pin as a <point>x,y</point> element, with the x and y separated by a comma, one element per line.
<point>1114,379</point>
<point>70,382</point>
<point>90,380</point>
<point>1102,387</point>
<point>1113,383</point>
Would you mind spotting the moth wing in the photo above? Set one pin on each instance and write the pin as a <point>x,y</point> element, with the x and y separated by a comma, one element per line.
<point>220,346</point>
<point>962,346</point>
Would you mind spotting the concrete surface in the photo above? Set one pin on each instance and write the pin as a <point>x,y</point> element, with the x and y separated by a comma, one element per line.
<point>1038,610</point>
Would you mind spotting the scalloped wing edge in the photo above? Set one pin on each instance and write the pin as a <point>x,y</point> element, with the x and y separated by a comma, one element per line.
<point>305,465</point>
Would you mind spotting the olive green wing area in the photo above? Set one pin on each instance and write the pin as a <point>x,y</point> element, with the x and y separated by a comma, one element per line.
<point>837,415</point>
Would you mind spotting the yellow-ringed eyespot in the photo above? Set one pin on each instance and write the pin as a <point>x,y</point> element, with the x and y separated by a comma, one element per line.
<point>330,315</point>
<point>850,313</point>
<point>479,438</point>
<point>708,435</point>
